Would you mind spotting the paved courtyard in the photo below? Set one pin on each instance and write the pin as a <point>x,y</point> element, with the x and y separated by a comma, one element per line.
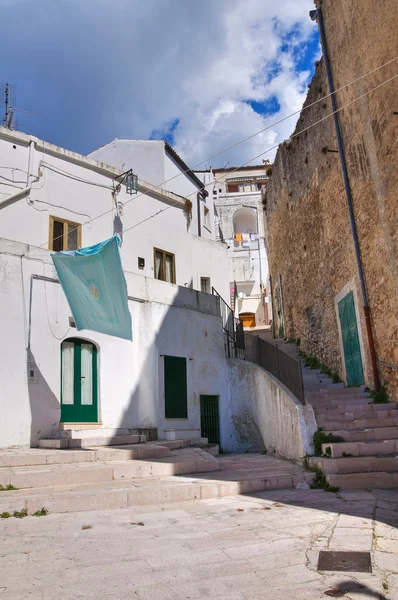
<point>264,546</point>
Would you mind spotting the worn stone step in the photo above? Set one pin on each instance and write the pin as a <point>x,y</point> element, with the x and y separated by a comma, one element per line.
<point>359,464</point>
<point>85,432</point>
<point>180,462</point>
<point>364,481</point>
<point>378,448</point>
<point>337,404</point>
<point>367,435</point>
<point>98,440</point>
<point>36,456</point>
<point>350,412</point>
<point>140,492</point>
<point>347,424</point>
<point>342,393</point>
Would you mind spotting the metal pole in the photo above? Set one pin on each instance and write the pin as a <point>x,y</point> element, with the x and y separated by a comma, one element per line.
<point>318,13</point>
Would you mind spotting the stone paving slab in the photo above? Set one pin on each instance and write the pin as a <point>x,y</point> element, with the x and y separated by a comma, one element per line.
<point>259,547</point>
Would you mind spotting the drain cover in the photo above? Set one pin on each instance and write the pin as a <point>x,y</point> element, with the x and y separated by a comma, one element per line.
<point>345,561</point>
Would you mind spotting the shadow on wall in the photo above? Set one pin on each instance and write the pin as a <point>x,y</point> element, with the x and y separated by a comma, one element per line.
<point>44,405</point>
<point>176,336</point>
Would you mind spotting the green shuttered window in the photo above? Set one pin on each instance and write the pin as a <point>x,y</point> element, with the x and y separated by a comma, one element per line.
<point>175,385</point>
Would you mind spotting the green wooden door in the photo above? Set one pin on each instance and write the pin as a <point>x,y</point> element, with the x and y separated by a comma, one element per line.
<point>210,419</point>
<point>352,350</point>
<point>175,387</point>
<point>79,402</point>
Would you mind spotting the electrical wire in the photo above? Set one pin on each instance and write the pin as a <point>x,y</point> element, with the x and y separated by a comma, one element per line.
<point>249,137</point>
<point>30,201</point>
<point>272,148</point>
<point>50,167</point>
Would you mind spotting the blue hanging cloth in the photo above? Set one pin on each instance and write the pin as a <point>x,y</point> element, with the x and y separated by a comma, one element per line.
<point>95,287</point>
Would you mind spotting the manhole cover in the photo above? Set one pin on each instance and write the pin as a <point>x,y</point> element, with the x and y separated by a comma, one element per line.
<point>345,561</point>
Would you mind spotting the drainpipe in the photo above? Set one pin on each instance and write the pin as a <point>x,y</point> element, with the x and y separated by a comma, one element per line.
<point>26,190</point>
<point>198,198</point>
<point>317,15</point>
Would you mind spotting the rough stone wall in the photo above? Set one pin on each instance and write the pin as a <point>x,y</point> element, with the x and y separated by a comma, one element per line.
<point>308,231</point>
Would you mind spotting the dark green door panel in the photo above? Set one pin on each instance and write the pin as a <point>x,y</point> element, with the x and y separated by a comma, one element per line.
<point>352,350</point>
<point>175,387</point>
<point>210,418</point>
<point>79,385</point>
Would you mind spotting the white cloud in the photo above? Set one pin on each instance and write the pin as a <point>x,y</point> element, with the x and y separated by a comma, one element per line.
<point>101,69</point>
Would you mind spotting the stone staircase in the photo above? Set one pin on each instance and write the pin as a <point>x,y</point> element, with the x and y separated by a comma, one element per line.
<point>89,477</point>
<point>368,457</point>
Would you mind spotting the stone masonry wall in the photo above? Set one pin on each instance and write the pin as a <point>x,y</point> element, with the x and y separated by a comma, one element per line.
<point>309,239</point>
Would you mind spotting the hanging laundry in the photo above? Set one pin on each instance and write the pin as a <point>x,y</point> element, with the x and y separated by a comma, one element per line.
<point>238,237</point>
<point>95,287</point>
<point>254,237</point>
<point>245,240</point>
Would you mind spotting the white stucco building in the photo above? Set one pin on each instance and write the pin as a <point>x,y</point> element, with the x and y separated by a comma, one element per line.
<point>53,199</point>
<point>237,194</point>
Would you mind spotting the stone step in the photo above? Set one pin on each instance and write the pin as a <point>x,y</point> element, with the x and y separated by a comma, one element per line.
<point>378,448</point>
<point>139,492</point>
<point>184,461</point>
<point>86,432</point>
<point>355,412</point>
<point>36,456</point>
<point>360,464</point>
<point>342,392</point>
<point>98,440</point>
<point>350,425</point>
<point>316,386</point>
<point>364,481</point>
<point>366,435</point>
<point>324,404</point>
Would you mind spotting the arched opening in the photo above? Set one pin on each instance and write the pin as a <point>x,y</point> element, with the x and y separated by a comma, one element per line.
<point>79,381</point>
<point>244,221</point>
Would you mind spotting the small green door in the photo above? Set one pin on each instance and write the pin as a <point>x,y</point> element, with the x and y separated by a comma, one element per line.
<point>79,403</point>
<point>175,387</point>
<point>210,419</point>
<point>352,350</point>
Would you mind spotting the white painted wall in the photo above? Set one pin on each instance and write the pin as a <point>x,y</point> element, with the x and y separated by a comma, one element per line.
<point>265,414</point>
<point>80,190</point>
<point>244,263</point>
<point>145,157</point>
<point>171,321</point>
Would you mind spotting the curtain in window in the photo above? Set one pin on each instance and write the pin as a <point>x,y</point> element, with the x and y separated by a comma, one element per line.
<point>87,374</point>
<point>169,268</point>
<point>67,372</point>
<point>158,265</point>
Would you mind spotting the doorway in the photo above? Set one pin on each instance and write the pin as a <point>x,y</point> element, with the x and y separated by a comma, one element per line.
<point>79,385</point>
<point>349,333</point>
<point>210,418</point>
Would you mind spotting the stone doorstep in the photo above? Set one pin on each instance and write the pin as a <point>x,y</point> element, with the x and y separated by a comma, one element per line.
<point>142,492</point>
<point>363,435</point>
<point>98,440</point>
<point>94,430</point>
<point>384,447</point>
<point>364,481</point>
<point>185,462</point>
<point>358,464</point>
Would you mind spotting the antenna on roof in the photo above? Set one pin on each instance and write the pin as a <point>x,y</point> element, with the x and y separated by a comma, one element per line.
<point>7,91</point>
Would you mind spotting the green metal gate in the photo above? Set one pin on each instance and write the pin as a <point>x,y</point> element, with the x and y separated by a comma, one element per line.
<point>210,418</point>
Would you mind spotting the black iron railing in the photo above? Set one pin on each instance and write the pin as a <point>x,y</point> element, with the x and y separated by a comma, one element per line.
<point>284,367</point>
<point>250,347</point>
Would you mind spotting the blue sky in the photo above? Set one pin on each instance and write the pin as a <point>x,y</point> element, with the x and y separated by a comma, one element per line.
<point>203,74</point>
